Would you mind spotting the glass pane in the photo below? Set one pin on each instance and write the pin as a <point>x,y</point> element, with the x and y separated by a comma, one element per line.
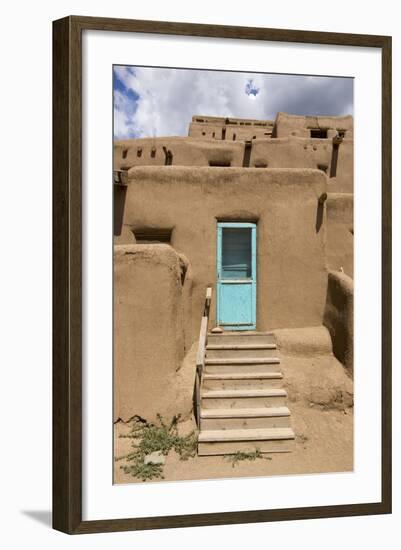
<point>236,259</point>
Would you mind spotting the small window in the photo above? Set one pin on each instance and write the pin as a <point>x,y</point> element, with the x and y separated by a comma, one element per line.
<point>222,163</point>
<point>234,137</point>
<point>153,152</point>
<point>124,153</point>
<point>318,133</point>
<point>139,152</point>
<point>152,235</point>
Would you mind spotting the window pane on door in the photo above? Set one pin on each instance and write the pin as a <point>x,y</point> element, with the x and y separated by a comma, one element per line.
<point>236,259</point>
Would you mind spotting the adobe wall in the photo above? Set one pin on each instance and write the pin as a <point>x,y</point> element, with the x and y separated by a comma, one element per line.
<point>340,232</point>
<point>230,128</point>
<point>300,126</point>
<point>232,132</point>
<point>289,152</point>
<point>150,302</point>
<point>185,151</point>
<point>293,152</point>
<point>292,276</point>
<point>339,317</point>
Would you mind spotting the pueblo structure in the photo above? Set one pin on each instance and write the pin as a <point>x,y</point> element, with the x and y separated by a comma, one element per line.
<point>233,245</point>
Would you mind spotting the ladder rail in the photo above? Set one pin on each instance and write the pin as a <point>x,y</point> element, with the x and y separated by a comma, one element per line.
<point>200,356</point>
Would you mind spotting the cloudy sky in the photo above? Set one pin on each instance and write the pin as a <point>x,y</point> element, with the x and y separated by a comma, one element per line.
<point>151,102</point>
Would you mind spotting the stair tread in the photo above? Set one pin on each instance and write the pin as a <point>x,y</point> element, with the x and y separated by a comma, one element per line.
<point>245,413</point>
<point>242,376</point>
<point>245,393</point>
<point>240,361</point>
<point>256,434</point>
<point>239,333</point>
<point>236,347</point>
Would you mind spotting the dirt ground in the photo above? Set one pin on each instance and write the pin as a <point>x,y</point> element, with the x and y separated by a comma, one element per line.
<point>321,404</point>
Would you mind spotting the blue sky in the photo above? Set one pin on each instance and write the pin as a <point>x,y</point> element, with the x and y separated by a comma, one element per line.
<point>153,102</point>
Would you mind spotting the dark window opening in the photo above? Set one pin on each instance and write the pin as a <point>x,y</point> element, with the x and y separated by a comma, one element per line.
<point>139,152</point>
<point>153,152</point>
<point>214,134</point>
<point>203,133</point>
<point>152,235</point>
<point>223,133</point>
<point>236,257</point>
<point>168,156</point>
<point>318,133</point>
<point>124,153</point>
<point>222,163</point>
<point>234,137</point>
<point>247,154</point>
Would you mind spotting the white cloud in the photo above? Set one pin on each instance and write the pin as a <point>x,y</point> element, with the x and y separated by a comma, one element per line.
<point>168,98</point>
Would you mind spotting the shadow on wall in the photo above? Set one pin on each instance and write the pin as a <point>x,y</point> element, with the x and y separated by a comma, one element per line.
<point>339,317</point>
<point>119,195</point>
<point>320,211</point>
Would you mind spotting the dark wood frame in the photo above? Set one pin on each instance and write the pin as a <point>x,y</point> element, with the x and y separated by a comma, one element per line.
<point>67,261</point>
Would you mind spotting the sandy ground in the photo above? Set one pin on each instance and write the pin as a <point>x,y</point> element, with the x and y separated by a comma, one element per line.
<point>320,401</point>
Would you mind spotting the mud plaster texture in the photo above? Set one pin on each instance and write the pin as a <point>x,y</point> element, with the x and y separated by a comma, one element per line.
<point>291,260</point>
<point>340,232</point>
<point>321,403</point>
<point>151,373</point>
<point>339,317</point>
<point>175,190</point>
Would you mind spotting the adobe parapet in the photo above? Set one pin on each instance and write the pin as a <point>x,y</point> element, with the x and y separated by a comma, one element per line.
<point>312,142</point>
<point>317,127</point>
<point>229,128</point>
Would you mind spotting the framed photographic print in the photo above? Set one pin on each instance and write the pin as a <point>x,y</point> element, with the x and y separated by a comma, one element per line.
<point>222,274</point>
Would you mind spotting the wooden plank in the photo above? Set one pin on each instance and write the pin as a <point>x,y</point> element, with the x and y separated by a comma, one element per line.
<point>200,356</point>
<point>242,361</point>
<point>197,398</point>
<point>243,376</point>
<point>224,394</point>
<point>245,413</point>
<point>247,435</point>
<point>240,346</point>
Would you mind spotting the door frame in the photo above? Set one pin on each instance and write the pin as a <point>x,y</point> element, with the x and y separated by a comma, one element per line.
<point>253,283</point>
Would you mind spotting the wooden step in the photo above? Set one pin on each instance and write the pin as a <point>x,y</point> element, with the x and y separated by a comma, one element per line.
<point>246,380</point>
<point>216,442</point>
<point>262,368</point>
<point>231,419</point>
<point>241,338</point>
<point>240,346</point>
<point>240,353</point>
<point>241,361</point>
<point>242,398</point>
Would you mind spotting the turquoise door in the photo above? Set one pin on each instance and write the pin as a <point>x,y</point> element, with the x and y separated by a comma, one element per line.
<point>236,276</point>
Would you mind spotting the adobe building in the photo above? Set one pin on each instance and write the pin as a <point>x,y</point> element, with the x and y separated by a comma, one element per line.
<point>261,212</point>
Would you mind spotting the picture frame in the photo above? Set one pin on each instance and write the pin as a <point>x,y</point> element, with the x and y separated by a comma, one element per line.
<point>67,274</point>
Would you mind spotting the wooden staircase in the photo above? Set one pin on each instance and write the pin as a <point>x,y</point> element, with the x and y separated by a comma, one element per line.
<point>241,402</point>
